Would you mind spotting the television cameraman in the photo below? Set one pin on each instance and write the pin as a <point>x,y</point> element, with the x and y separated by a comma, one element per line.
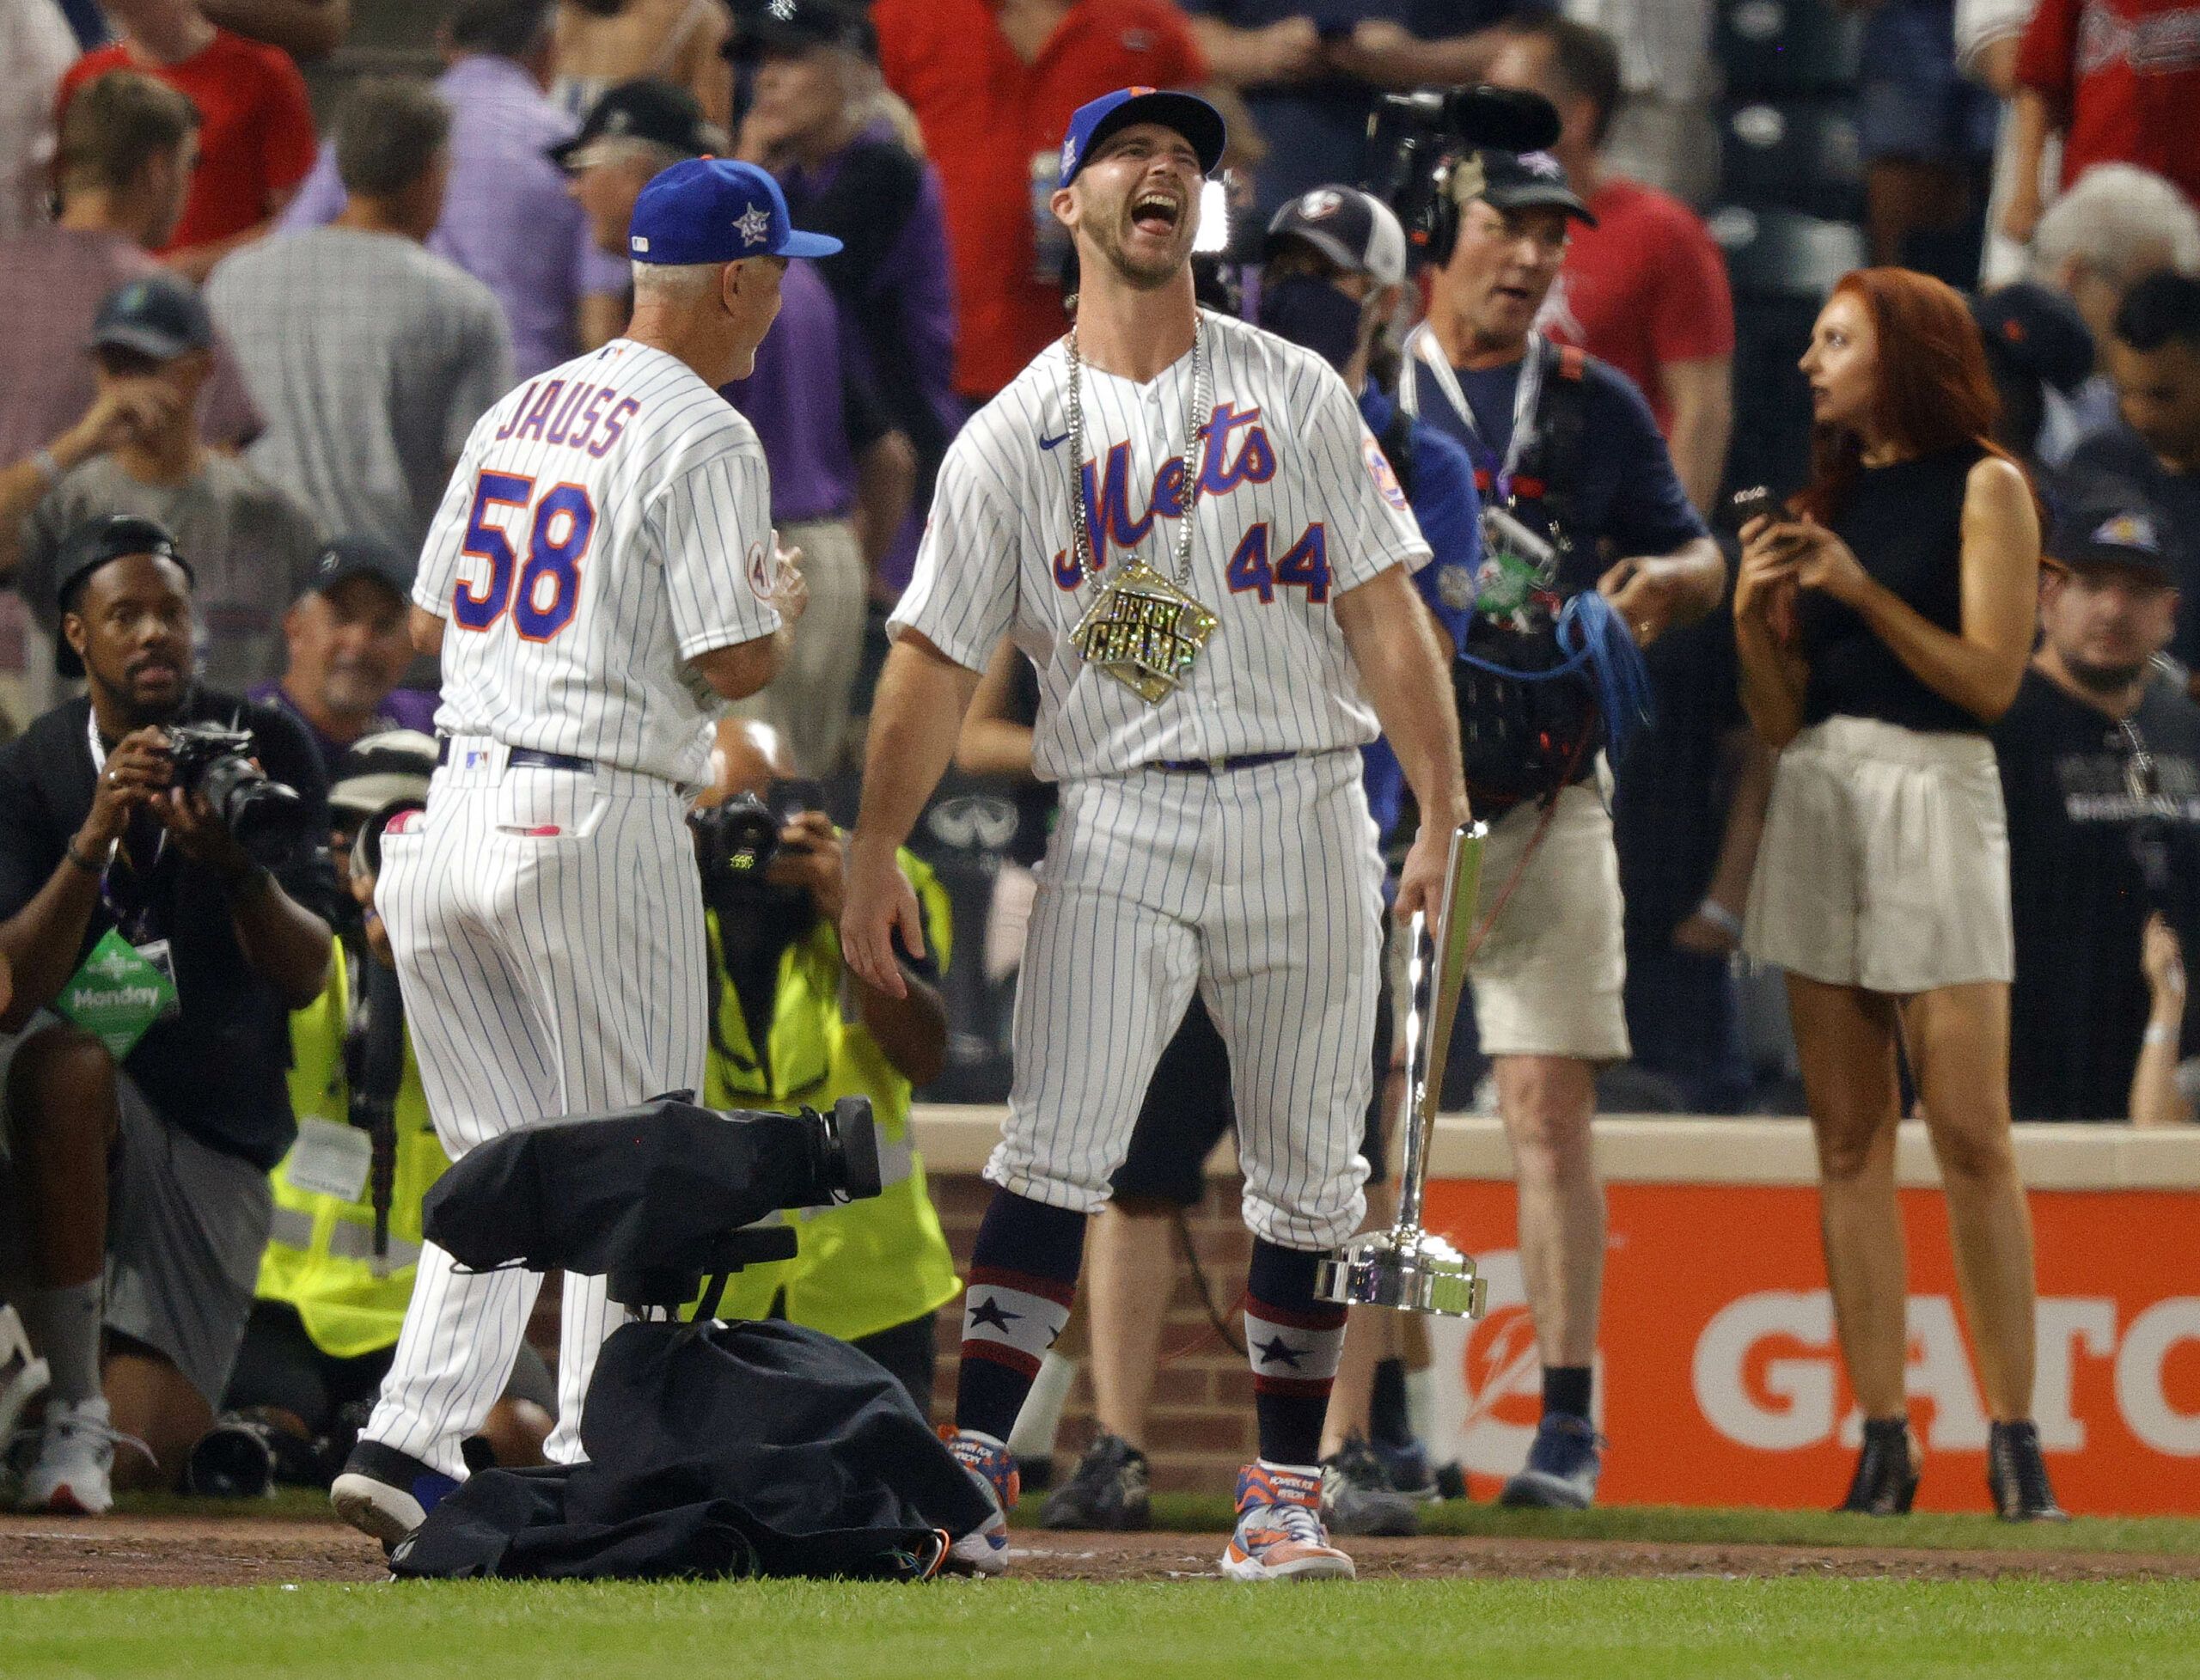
<point>144,1053</point>
<point>788,1025</point>
<point>1580,501</point>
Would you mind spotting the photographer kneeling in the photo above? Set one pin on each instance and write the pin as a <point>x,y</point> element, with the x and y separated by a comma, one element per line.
<point>788,1025</point>
<point>155,956</point>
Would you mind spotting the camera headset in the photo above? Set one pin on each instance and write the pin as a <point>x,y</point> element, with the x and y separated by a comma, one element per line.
<point>1439,132</point>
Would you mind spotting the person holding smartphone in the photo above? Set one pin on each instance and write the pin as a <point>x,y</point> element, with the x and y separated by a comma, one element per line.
<point>1882,625</point>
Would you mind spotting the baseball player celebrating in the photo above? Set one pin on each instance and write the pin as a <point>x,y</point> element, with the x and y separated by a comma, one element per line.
<point>1187,529</point>
<point>602,571</point>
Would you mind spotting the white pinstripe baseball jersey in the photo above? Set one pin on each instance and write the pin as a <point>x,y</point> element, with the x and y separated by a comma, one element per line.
<point>1296,506</point>
<point>608,522</point>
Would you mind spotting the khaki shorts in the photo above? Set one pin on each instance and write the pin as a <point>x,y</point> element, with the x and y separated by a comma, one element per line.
<point>1886,860</point>
<point>1548,978</point>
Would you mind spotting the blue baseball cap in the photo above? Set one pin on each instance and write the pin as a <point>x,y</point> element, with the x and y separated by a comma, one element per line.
<point>1186,113</point>
<point>712,209</point>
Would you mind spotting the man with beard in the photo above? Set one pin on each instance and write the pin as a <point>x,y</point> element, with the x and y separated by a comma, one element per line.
<point>144,1053</point>
<point>2100,771</point>
<point>1194,537</point>
<point>349,648</point>
<point>788,1025</point>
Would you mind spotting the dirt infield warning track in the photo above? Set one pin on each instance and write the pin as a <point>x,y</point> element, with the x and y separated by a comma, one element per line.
<point>51,1554</point>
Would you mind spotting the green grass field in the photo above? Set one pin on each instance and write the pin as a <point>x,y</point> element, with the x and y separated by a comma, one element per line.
<point>1645,1629</point>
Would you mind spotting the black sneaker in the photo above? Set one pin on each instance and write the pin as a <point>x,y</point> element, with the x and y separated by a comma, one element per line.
<point>1886,1471</point>
<point>1107,1490</point>
<point>1563,1463</point>
<point>1357,1497</point>
<point>2017,1476</point>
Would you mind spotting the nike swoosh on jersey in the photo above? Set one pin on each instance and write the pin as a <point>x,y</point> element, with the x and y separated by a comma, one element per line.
<point>1057,442</point>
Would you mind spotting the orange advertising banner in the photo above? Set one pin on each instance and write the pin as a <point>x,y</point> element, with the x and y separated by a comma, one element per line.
<point>1720,1383</point>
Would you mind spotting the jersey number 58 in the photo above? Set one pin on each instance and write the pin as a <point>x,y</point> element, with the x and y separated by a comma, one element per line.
<point>546,591</point>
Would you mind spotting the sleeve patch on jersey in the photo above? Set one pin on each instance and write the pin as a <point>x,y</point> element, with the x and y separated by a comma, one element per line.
<point>1378,468</point>
<point>759,570</point>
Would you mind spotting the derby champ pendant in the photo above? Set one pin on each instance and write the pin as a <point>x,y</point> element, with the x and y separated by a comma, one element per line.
<point>1145,632</point>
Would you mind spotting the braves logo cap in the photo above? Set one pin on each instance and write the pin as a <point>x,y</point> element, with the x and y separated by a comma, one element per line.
<point>1186,113</point>
<point>708,210</point>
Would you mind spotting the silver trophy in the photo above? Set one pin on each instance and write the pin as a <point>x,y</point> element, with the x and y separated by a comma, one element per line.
<point>1406,1267</point>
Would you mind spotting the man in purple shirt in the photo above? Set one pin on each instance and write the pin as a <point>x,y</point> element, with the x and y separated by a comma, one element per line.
<point>813,72</point>
<point>348,650</point>
<point>508,219</point>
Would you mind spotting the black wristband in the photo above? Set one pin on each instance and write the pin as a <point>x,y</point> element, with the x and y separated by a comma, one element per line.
<point>70,851</point>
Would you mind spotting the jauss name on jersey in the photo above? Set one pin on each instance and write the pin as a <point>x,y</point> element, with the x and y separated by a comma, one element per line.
<point>571,417</point>
<point>608,522</point>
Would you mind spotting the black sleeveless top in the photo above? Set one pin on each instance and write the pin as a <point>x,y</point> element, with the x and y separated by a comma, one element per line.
<point>1905,523</point>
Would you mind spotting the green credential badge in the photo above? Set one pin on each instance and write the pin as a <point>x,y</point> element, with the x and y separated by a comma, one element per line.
<point>116,994</point>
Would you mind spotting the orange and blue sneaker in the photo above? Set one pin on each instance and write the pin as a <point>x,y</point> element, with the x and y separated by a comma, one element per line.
<point>984,1550</point>
<point>1279,1535</point>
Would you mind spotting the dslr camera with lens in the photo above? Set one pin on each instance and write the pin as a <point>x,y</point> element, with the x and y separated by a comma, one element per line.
<point>738,840</point>
<point>263,815</point>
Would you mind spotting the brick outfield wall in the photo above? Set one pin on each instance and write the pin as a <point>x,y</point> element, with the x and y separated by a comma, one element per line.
<point>1200,1429</point>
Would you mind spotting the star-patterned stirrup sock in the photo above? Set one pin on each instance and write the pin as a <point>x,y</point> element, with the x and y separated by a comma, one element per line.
<point>1023,1278</point>
<point>1293,1342</point>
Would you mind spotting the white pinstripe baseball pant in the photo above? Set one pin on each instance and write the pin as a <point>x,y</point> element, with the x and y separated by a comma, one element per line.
<point>548,928</point>
<point>1262,887</point>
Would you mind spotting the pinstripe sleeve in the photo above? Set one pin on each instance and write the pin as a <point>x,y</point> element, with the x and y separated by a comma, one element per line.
<point>714,526</point>
<point>1371,528</point>
<point>439,571</point>
<point>963,597</point>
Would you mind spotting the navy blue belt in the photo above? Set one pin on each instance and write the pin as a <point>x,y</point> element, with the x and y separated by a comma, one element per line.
<point>1212,767</point>
<point>525,758</point>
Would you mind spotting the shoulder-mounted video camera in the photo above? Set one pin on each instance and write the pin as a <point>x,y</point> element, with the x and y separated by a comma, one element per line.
<point>1417,142</point>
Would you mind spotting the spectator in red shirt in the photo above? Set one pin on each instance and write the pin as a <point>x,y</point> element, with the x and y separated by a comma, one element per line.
<point>992,83</point>
<point>2120,80</point>
<point>256,142</point>
<point>1644,288</point>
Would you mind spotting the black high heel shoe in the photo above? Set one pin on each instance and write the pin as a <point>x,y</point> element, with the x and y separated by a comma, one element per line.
<point>1886,1474</point>
<point>2017,1476</point>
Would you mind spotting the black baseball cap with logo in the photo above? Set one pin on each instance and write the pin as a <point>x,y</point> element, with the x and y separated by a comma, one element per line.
<point>157,315</point>
<point>795,26</point>
<point>656,112</point>
<point>344,557</point>
<point>1517,180</point>
<point>2109,524</point>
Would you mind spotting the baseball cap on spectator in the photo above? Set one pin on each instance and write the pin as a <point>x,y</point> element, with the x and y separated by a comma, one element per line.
<point>157,315</point>
<point>1355,231</point>
<point>795,26</point>
<point>2106,523</point>
<point>648,110</point>
<point>2040,332</point>
<point>110,536</point>
<point>379,770</point>
<point>1186,113</point>
<point>1517,180</point>
<point>708,210</point>
<point>344,557</point>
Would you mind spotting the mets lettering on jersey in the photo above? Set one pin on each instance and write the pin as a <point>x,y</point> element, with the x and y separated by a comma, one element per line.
<point>1294,508</point>
<point>608,522</point>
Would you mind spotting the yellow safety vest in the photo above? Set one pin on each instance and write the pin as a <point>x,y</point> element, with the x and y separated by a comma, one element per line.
<point>870,1265</point>
<point>320,1257</point>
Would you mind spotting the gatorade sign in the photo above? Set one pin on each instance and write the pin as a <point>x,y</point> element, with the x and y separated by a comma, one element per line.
<point>1720,1381</point>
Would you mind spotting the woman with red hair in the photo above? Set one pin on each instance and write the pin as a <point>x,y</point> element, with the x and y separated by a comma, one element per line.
<point>1882,625</point>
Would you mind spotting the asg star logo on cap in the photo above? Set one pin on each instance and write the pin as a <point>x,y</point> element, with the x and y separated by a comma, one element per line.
<point>753,225</point>
<point>1541,163</point>
<point>1321,202</point>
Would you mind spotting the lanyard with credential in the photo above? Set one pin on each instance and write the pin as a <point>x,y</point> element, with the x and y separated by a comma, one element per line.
<point>135,927</point>
<point>1527,396</point>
